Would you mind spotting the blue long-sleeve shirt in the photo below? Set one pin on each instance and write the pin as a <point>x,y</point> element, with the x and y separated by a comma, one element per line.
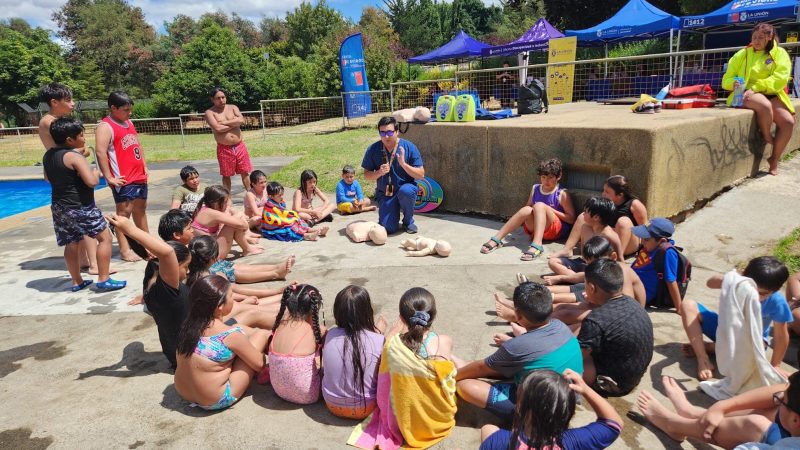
<point>348,192</point>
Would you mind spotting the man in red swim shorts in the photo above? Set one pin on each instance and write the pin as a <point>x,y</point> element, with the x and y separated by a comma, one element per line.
<point>225,121</point>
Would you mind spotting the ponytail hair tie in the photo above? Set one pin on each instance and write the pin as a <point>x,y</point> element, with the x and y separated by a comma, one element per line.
<point>420,318</point>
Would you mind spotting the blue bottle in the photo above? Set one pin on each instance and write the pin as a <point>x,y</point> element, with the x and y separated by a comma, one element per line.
<point>738,92</point>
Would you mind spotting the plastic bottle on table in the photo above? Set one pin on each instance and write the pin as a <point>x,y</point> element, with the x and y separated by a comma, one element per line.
<point>738,92</point>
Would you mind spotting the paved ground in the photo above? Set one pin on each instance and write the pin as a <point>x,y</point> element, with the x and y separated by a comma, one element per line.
<point>85,370</point>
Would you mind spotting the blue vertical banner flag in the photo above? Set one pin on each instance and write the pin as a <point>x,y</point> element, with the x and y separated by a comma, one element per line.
<point>354,77</point>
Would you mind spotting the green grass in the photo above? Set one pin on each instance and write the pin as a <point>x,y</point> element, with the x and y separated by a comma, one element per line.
<point>324,154</point>
<point>788,251</point>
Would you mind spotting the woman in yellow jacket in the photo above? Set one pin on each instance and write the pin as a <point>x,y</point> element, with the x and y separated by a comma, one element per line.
<point>765,69</point>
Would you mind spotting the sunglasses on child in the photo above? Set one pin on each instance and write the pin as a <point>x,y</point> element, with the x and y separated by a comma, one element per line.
<point>387,133</point>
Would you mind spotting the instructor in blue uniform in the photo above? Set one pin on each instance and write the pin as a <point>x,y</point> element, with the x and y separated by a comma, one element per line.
<point>395,163</point>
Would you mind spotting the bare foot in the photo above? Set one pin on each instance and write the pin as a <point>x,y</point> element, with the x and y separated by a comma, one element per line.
<point>657,414</point>
<point>323,231</point>
<point>552,280</point>
<point>138,300</point>
<point>94,271</point>
<point>773,166</point>
<point>705,369</point>
<point>129,256</point>
<point>678,398</point>
<point>253,250</point>
<point>381,323</point>
<point>310,235</point>
<point>688,351</point>
<point>287,267</point>
<point>499,338</point>
<point>503,311</point>
<point>370,208</point>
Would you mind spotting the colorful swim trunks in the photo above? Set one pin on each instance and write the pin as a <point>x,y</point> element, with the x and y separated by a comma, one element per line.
<point>233,159</point>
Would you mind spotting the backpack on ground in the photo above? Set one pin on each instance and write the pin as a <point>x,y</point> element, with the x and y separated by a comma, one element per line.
<point>532,99</point>
<point>662,299</point>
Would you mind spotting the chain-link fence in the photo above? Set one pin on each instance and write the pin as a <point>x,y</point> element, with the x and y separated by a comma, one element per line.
<point>364,109</point>
<point>411,94</point>
<point>606,78</point>
<point>303,115</point>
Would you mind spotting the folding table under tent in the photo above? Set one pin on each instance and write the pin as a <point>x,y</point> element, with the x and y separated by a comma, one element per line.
<point>461,46</point>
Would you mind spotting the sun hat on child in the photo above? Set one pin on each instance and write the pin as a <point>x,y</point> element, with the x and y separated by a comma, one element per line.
<point>657,228</point>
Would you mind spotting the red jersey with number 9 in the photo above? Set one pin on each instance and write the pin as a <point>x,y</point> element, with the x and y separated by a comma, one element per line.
<point>125,152</point>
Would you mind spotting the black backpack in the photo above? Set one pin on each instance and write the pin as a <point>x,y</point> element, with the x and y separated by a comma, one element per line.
<point>532,99</point>
<point>662,299</point>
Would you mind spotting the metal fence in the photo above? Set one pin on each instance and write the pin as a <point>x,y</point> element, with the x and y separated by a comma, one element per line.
<point>411,94</point>
<point>606,78</point>
<point>594,79</point>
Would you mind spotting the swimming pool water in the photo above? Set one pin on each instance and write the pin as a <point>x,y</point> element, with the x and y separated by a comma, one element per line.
<point>23,195</point>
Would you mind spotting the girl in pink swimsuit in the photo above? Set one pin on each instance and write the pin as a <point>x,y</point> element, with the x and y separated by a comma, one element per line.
<point>296,345</point>
<point>214,217</point>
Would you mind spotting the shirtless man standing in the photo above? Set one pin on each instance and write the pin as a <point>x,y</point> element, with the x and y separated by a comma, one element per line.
<point>225,121</point>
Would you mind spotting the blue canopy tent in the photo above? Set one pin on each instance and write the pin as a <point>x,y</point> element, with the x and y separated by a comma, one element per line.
<point>461,46</point>
<point>739,12</point>
<point>636,20</point>
<point>737,17</point>
<point>536,38</point>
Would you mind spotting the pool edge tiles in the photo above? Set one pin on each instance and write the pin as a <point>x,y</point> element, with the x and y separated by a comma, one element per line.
<point>41,214</point>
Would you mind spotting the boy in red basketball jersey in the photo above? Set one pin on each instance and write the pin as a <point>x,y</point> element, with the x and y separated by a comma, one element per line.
<point>121,160</point>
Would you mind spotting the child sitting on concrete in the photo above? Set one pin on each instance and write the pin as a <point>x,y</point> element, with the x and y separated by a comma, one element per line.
<point>653,235</point>
<point>75,214</point>
<point>598,212</point>
<point>570,306</point>
<point>617,336</point>
<point>187,195</point>
<point>769,274</point>
<point>255,198</point>
<point>349,196</point>
<point>546,344</point>
<point>547,215</point>
<point>282,224</point>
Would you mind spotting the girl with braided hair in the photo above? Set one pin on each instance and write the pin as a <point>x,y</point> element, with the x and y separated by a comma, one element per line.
<point>295,347</point>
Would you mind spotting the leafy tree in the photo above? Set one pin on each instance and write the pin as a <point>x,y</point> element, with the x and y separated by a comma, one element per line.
<point>114,35</point>
<point>418,22</point>
<point>28,60</point>
<point>382,49</point>
<point>215,57</point>
<point>309,24</point>
<point>273,30</point>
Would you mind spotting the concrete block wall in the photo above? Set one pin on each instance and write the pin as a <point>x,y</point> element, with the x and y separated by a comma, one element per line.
<point>672,159</point>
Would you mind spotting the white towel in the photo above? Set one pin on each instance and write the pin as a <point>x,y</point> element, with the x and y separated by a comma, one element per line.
<point>740,346</point>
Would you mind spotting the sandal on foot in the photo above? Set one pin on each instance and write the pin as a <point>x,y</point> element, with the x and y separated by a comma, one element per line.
<point>78,287</point>
<point>111,284</point>
<point>533,252</point>
<point>487,247</point>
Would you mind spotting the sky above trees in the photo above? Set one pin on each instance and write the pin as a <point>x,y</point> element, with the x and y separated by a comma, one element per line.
<point>39,12</point>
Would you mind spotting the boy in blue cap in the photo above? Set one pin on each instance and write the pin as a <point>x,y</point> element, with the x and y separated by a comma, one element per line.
<point>653,235</point>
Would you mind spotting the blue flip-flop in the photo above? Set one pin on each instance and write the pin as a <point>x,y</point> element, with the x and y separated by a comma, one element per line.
<point>111,285</point>
<point>78,287</point>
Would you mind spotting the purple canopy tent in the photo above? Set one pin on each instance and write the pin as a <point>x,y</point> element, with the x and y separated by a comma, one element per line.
<point>536,38</point>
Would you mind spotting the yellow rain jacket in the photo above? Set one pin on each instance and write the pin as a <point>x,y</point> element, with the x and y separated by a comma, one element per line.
<point>762,72</point>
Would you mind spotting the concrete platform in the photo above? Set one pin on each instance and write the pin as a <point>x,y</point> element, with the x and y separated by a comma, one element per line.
<point>85,370</point>
<point>672,159</point>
